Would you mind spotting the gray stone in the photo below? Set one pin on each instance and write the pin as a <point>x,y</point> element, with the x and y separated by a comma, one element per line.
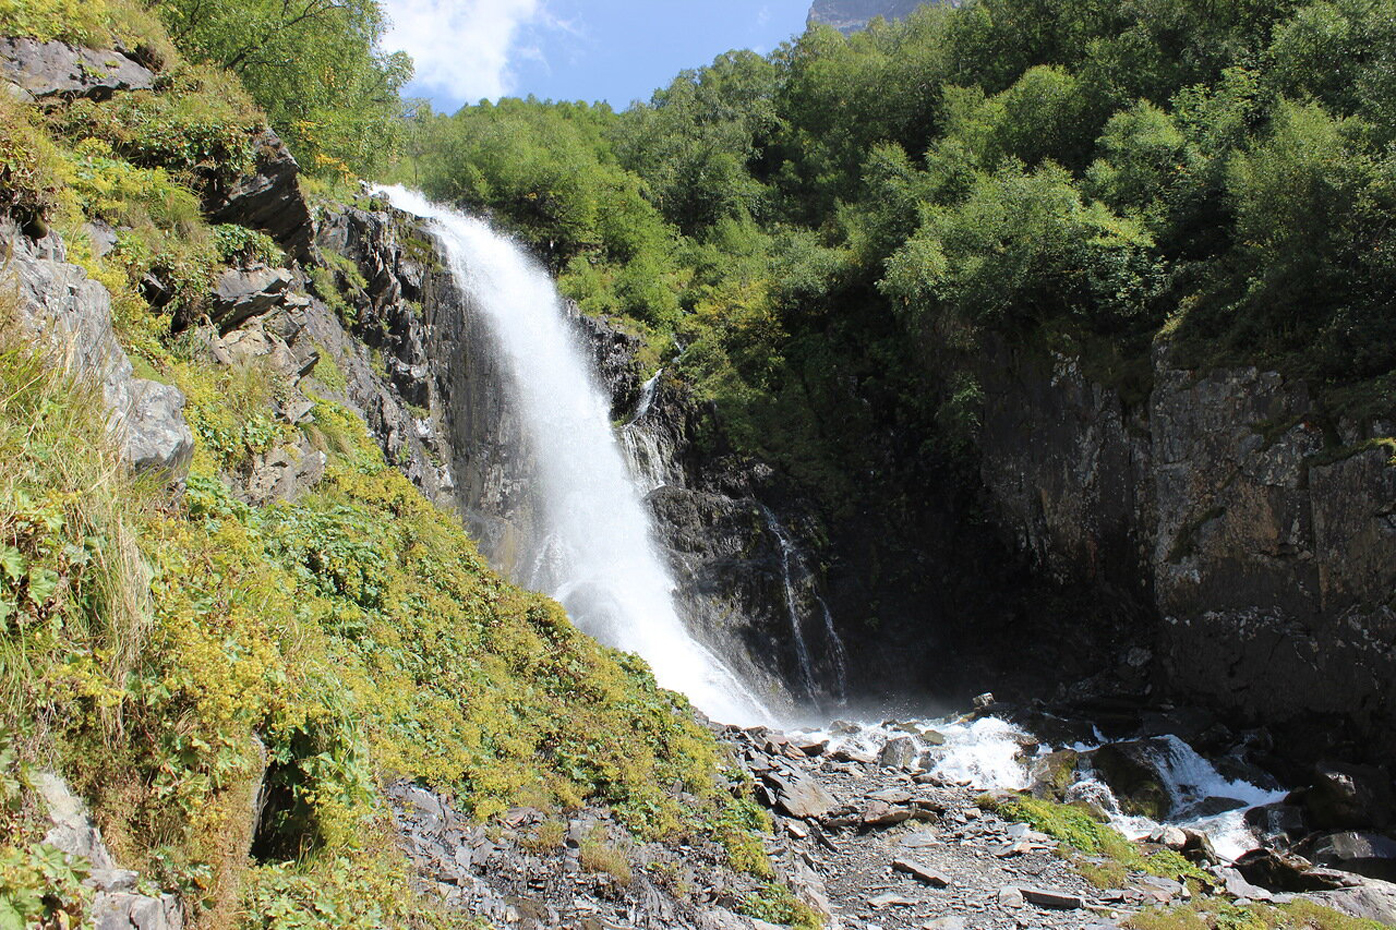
<point>281,474</point>
<point>112,879</point>
<point>243,293</point>
<point>899,753</point>
<point>945,923</point>
<point>880,814</point>
<point>57,69</point>
<point>921,872</point>
<point>74,832</point>
<point>1369,900</point>
<point>1051,898</point>
<point>71,317</point>
<point>1010,897</point>
<point>126,911</point>
<point>801,796</point>
<point>1237,886</point>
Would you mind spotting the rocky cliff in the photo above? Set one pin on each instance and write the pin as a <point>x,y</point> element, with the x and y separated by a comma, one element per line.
<point>1249,534</point>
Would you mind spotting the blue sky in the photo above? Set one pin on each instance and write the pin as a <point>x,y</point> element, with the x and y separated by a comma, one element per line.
<point>613,50</point>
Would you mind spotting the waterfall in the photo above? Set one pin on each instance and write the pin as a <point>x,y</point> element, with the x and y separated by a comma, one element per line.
<point>790,560</point>
<point>595,549</point>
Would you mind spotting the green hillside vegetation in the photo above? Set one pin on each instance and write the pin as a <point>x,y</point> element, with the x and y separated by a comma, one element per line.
<point>163,651</point>
<point>873,211</point>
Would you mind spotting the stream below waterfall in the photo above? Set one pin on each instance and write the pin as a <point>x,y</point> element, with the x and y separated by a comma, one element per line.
<point>594,549</point>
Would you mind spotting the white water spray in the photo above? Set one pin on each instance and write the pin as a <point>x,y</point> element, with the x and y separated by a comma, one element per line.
<point>595,552</point>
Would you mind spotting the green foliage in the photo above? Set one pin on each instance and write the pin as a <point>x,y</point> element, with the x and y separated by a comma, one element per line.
<point>39,885</point>
<point>313,66</point>
<point>871,210</point>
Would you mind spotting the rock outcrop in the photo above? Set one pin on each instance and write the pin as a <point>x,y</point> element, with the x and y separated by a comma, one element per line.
<point>116,904</point>
<point>269,199</point>
<point>57,69</point>
<point>70,315</point>
<point>849,16</point>
<point>1251,537</point>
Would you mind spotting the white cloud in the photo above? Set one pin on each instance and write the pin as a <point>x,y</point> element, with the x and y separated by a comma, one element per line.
<point>464,48</point>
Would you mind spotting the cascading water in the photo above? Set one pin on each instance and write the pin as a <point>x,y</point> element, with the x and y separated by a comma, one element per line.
<point>790,559</point>
<point>651,459</point>
<point>595,551</point>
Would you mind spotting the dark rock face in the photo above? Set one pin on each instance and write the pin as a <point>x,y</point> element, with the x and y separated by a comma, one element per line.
<point>57,69</point>
<point>1215,517</point>
<point>269,199</point>
<point>849,16</point>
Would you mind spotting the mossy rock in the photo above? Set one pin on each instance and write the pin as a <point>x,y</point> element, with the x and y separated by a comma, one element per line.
<point>1053,774</point>
<point>1134,778</point>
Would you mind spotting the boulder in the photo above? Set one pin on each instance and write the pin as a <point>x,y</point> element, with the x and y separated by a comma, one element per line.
<point>1279,871</point>
<point>57,69</point>
<point>269,199</point>
<point>1053,774</point>
<point>800,796</point>
<point>899,753</point>
<point>1131,770</point>
<point>1370,854</point>
<point>1345,797</point>
<point>1368,899</point>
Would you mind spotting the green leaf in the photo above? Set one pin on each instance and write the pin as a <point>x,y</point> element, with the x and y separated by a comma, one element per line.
<point>13,562</point>
<point>42,583</point>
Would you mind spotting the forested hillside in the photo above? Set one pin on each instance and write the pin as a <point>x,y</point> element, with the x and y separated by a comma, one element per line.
<point>868,210</point>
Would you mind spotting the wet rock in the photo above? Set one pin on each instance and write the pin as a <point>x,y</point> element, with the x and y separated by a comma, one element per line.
<point>1277,824</point>
<point>921,872</point>
<point>1370,854</point>
<point>1051,898</point>
<point>898,753</point>
<point>1053,774</point>
<point>269,199</point>
<point>984,701</point>
<point>1279,871</point>
<point>57,69</point>
<point>1349,797</point>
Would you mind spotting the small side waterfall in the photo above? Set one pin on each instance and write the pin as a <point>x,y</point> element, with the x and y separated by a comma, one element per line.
<point>594,549</point>
<point>791,561</point>
<point>651,460</point>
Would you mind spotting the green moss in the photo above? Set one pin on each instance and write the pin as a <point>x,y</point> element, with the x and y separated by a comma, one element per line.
<point>1215,914</point>
<point>1078,829</point>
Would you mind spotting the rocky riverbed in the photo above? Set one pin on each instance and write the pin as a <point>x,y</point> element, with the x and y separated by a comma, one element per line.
<point>864,839</point>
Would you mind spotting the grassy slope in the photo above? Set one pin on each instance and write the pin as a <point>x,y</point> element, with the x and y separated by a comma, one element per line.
<point>162,651</point>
